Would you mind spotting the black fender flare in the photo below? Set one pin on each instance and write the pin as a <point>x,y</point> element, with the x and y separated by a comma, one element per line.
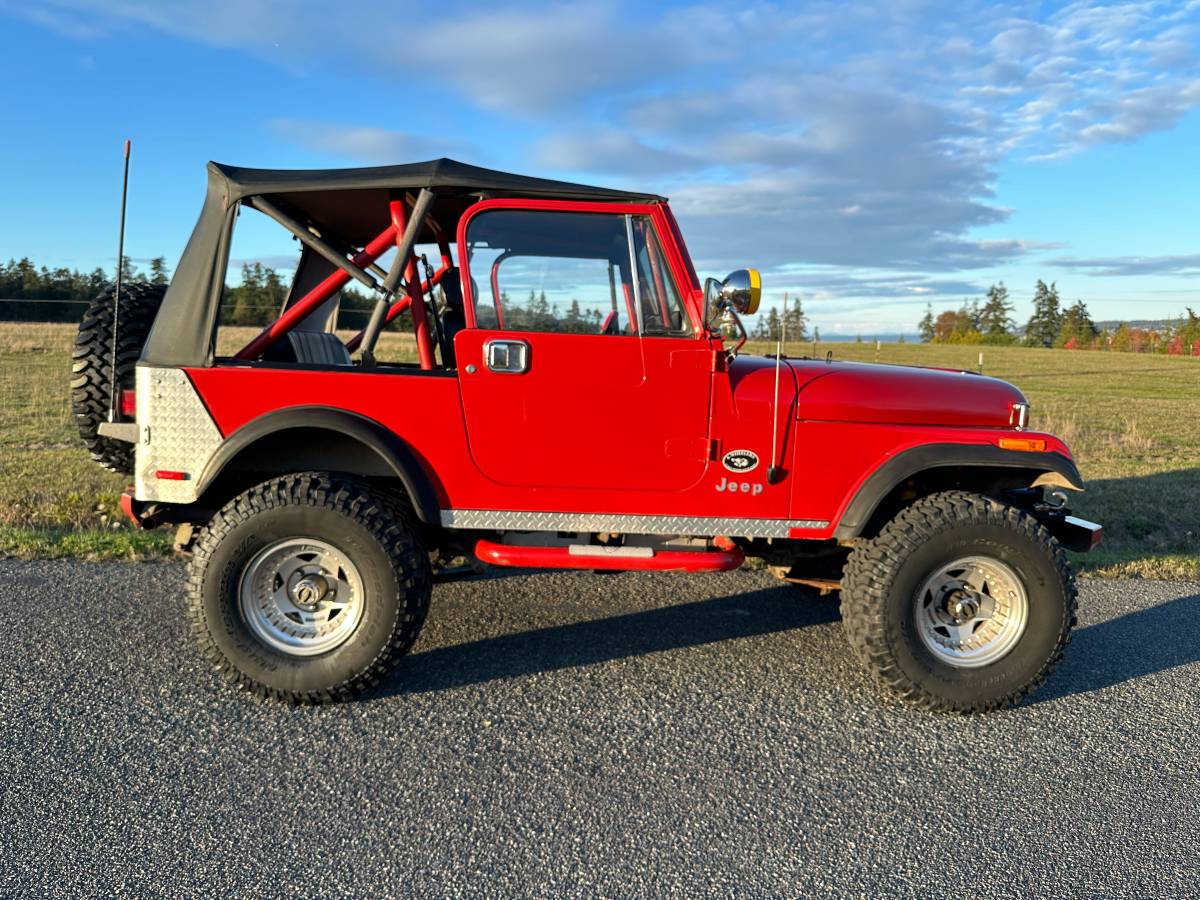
<point>911,462</point>
<point>397,457</point>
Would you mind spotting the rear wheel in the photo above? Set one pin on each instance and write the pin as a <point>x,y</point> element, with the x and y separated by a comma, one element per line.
<point>92,364</point>
<point>961,603</point>
<point>307,589</point>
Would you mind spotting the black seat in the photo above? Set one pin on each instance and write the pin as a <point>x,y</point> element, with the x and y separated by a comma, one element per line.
<point>453,318</point>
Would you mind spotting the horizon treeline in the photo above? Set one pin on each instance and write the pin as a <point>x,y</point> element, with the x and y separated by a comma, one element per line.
<point>990,321</point>
<point>40,294</point>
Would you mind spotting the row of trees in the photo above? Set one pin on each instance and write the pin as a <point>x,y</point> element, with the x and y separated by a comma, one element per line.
<point>42,294</point>
<point>770,325</point>
<point>1052,325</point>
<point>33,293</point>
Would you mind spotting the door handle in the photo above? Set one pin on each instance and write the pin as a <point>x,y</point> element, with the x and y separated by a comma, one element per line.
<point>510,357</point>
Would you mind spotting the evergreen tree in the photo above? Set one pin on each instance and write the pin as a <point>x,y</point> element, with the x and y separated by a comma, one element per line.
<point>760,333</point>
<point>573,321</point>
<point>796,321</point>
<point>925,326</point>
<point>1188,333</point>
<point>159,273</point>
<point>995,320</point>
<point>1078,330</point>
<point>1047,319</point>
<point>772,324</point>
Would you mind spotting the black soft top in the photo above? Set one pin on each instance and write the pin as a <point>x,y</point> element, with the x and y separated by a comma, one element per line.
<point>449,174</point>
<point>348,205</point>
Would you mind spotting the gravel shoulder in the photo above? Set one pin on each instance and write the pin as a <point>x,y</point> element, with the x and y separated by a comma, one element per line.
<point>569,734</point>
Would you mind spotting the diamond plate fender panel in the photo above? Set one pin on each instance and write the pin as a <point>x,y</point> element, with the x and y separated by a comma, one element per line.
<point>176,433</point>
<point>507,520</point>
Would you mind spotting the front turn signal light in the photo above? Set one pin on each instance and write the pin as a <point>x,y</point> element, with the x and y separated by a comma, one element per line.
<point>1030,445</point>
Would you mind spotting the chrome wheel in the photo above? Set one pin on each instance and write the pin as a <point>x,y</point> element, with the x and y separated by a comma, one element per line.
<point>301,596</point>
<point>971,612</point>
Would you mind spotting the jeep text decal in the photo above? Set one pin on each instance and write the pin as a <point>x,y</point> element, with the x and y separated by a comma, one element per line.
<point>746,487</point>
<point>740,460</point>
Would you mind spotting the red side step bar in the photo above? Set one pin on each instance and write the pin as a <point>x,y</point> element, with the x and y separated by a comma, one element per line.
<point>591,556</point>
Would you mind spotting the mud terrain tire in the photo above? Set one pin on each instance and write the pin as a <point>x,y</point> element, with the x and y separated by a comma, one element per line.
<point>91,372</point>
<point>379,570</point>
<point>887,602</point>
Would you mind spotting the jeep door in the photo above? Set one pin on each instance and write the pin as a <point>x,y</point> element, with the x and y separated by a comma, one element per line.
<point>580,366</point>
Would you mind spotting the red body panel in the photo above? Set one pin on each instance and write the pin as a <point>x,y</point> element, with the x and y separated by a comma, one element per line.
<point>591,411</point>
<point>825,462</point>
<point>859,392</point>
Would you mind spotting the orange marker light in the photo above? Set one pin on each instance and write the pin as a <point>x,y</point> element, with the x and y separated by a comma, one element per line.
<point>1034,445</point>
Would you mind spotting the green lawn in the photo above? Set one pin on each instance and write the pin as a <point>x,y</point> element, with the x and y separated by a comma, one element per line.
<point>1131,420</point>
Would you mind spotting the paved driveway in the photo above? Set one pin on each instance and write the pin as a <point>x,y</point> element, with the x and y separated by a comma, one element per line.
<point>572,734</point>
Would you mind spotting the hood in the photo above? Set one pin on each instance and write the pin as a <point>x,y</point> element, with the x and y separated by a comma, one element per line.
<point>902,395</point>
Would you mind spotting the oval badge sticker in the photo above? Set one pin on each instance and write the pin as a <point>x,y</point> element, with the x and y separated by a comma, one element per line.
<point>740,460</point>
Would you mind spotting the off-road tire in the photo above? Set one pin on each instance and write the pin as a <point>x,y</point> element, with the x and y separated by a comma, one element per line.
<point>883,576</point>
<point>92,359</point>
<point>337,509</point>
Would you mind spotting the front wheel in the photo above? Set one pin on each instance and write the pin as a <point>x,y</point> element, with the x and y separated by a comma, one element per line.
<point>961,603</point>
<point>307,588</point>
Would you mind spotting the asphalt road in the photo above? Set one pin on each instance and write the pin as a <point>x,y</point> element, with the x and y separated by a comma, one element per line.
<point>565,734</point>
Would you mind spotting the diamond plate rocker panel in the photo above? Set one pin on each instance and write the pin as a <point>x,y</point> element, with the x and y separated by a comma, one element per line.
<point>505,520</point>
<point>176,433</point>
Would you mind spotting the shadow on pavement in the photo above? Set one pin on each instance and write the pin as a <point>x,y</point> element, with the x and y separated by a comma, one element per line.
<point>616,637</point>
<point>1126,648</point>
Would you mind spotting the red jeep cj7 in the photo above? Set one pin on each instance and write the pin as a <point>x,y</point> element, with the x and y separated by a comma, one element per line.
<point>577,402</point>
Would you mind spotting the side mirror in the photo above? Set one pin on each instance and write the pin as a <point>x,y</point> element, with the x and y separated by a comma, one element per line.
<point>740,292</point>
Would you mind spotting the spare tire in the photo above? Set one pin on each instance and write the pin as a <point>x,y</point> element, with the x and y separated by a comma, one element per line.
<point>92,379</point>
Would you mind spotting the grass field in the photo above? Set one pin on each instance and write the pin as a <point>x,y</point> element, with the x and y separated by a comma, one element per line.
<point>1131,420</point>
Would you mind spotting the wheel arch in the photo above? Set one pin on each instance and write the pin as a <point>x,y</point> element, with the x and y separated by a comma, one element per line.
<point>929,468</point>
<point>318,438</point>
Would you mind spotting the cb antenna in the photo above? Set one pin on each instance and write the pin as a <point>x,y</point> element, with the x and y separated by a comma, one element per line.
<point>775,472</point>
<point>112,393</point>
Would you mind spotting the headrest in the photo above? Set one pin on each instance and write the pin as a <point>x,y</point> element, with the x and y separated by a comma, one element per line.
<point>451,285</point>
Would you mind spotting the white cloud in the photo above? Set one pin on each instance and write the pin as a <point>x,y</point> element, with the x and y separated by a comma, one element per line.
<point>365,144</point>
<point>611,151</point>
<point>1185,266</point>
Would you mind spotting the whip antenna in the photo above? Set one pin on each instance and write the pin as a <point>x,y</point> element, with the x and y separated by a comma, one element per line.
<point>112,394</point>
<point>774,472</point>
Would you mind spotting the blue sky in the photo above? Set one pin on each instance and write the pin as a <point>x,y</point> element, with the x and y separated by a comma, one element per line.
<point>868,157</point>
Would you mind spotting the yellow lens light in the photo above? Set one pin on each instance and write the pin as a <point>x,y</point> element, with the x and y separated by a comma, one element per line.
<point>1032,445</point>
<point>755,292</point>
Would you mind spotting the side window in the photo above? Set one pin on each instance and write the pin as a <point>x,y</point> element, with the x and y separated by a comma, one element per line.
<point>538,270</point>
<point>662,308</point>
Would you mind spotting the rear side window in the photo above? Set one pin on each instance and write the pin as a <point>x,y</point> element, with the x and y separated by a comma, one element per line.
<point>540,270</point>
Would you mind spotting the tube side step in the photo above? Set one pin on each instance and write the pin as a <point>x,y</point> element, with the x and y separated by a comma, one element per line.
<point>616,559</point>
